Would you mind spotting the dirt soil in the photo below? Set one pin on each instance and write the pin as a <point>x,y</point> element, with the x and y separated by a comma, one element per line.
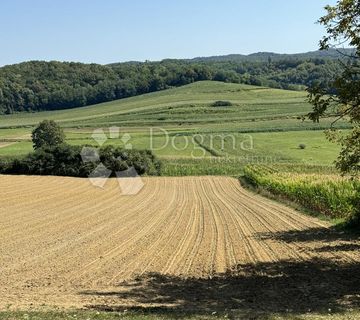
<point>188,243</point>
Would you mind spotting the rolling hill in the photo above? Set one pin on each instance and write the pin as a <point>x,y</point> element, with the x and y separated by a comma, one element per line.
<point>332,54</point>
<point>184,120</point>
<point>41,85</point>
<point>188,105</point>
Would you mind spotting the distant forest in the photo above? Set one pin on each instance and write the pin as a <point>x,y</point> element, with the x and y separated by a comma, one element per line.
<point>39,85</point>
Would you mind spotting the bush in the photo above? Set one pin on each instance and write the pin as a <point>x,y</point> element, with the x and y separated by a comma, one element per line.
<point>222,104</point>
<point>66,160</point>
<point>302,146</point>
<point>4,164</point>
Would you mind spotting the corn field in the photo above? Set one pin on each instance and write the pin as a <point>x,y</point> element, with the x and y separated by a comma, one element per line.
<point>326,193</point>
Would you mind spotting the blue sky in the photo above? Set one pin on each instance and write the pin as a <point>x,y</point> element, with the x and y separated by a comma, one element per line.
<point>105,31</point>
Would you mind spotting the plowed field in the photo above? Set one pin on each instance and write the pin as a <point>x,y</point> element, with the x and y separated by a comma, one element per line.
<point>66,243</point>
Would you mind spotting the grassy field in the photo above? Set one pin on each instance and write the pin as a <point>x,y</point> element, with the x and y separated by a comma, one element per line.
<point>191,131</point>
<point>249,102</point>
<point>185,106</point>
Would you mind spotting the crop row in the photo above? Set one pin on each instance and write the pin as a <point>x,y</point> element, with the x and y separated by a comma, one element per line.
<point>326,193</point>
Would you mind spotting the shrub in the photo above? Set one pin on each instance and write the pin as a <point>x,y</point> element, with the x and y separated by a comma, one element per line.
<point>65,160</point>
<point>4,164</point>
<point>302,146</point>
<point>221,103</point>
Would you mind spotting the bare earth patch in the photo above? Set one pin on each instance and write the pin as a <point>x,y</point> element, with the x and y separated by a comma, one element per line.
<point>190,243</point>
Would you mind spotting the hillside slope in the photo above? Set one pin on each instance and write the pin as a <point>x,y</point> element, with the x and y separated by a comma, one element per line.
<point>188,113</point>
<point>190,103</point>
<point>331,54</point>
<point>54,85</point>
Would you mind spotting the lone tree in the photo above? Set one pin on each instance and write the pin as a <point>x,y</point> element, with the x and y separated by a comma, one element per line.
<point>47,133</point>
<point>342,99</point>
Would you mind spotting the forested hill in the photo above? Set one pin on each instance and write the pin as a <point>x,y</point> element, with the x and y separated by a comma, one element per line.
<point>40,85</point>
<point>265,56</point>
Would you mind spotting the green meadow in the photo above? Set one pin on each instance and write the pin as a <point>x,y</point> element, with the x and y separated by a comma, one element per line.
<point>189,132</point>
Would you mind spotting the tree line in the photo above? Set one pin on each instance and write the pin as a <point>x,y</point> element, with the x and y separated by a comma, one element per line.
<point>53,156</point>
<point>39,85</point>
